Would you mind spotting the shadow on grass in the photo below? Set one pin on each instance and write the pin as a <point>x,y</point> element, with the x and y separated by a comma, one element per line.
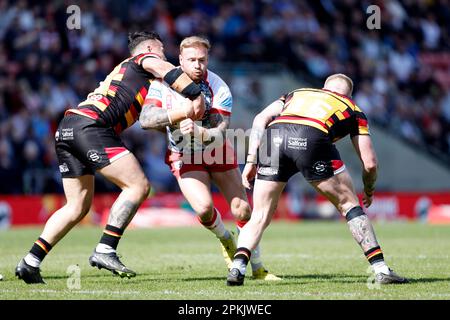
<point>316,277</point>
<point>100,275</point>
<point>205,278</point>
<point>428,280</point>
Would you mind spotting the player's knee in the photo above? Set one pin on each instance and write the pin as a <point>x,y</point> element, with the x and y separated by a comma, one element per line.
<point>77,210</point>
<point>204,210</point>
<point>146,188</point>
<point>241,210</point>
<point>142,188</point>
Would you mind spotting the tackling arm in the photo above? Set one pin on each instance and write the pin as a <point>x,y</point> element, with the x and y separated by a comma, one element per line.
<point>155,117</point>
<point>259,125</point>
<point>175,77</point>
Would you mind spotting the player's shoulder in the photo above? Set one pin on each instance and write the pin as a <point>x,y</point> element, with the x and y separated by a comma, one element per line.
<point>215,81</point>
<point>139,58</point>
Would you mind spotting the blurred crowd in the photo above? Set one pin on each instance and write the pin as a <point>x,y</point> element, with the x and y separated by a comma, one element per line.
<point>401,70</point>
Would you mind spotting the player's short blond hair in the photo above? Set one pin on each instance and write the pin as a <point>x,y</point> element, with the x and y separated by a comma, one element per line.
<point>194,41</point>
<point>343,77</point>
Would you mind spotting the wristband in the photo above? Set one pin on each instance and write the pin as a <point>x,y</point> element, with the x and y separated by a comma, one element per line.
<point>251,158</point>
<point>180,82</point>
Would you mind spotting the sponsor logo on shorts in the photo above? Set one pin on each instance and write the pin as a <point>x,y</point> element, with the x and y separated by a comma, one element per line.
<point>320,167</point>
<point>67,134</point>
<point>63,168</point>
<point>57,136</point>
<point>95,97</point>
<point>277,140</point>
<point>94,156</point>
<point>297,143</point>
<point>268,171</point>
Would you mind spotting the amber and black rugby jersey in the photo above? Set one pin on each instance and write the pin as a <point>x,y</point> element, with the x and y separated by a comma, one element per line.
<point>118,100</point>
<point>334,114</point>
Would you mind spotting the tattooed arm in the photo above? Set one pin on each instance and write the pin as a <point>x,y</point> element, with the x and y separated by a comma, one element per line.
<point>154,117</point>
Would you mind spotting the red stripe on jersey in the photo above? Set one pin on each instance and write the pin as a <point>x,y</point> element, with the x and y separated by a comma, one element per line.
<point>336,164</point>
<point>362,122</point>
<point>154,101</point>
<point>122,70</point>
<point>113,88</point>
<point>89,113</point>
<point>105,101</point>
<point>346,114</point>
<point>331,120</point>
<point>139,58</point>
<point>143,92</point>
<point>224,112</point>
<point>114,151</point>
<point>302,118</point>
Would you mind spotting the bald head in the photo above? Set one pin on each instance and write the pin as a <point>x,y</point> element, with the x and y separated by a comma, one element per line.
<point>339,83</point>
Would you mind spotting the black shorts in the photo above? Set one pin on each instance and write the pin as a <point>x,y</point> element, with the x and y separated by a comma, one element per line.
<point>83,146</point>
<point>290,148</point>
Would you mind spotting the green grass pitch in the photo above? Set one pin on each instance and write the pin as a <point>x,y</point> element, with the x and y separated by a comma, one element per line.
<point>317,260</point>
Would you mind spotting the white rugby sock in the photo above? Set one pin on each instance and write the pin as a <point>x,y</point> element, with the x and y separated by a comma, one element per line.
<point>216,226</point>
<point>104,248</point>
<point>380,266</point>
<point>32,260</point>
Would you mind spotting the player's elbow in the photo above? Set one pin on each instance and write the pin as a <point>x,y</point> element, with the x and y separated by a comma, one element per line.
<point>260,120</point>
<point>371,166</point>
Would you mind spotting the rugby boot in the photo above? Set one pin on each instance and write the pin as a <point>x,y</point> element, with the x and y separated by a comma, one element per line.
<point>391,278</point>
<point>235,277</point>
<point>228,249</point>
<point>263,274</point>
<point>111,262</point>
<point>28,273</point>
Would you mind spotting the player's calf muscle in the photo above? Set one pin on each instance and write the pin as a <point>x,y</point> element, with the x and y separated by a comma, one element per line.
<point>122,213</point>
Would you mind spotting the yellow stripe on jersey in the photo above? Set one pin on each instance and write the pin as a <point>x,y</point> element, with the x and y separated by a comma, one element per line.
<point>339,115</point>
<point>322,109</point>
<point>316,104</point>
<point>129,118</point>
<point>140,98</point>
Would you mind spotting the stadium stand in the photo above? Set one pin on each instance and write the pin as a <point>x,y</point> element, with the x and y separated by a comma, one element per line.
<point>401,71</point>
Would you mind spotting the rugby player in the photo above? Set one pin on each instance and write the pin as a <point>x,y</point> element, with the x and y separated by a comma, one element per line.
<point>217,163</point>
<point>87,141</point>
<point>302,128</point>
